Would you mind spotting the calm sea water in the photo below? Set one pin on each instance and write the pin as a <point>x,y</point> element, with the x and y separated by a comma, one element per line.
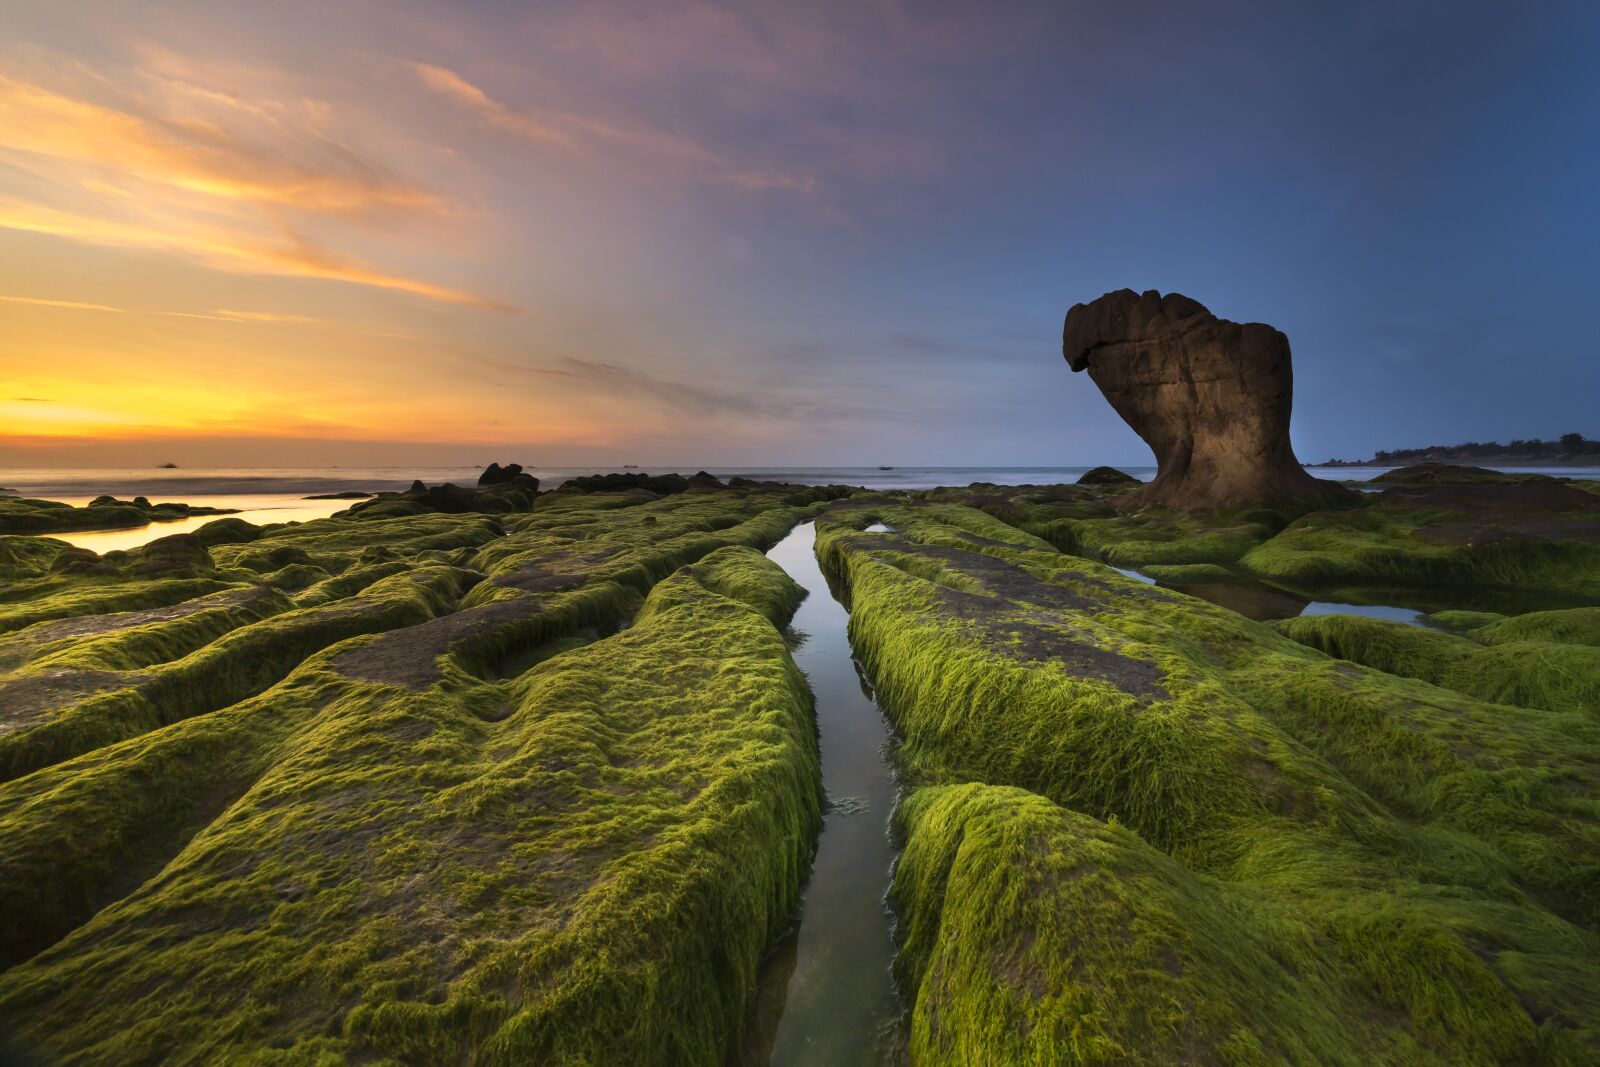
<point>277,494</point>
<point>199,485</point>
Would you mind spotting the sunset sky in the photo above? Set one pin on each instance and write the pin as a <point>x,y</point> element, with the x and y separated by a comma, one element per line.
<point>324,232</point>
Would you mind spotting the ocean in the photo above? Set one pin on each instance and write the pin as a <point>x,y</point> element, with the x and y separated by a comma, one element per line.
<point>278,494</point>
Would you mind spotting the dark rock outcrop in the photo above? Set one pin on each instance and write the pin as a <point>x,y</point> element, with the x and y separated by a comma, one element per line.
<point>1106,476</point>
<point>615,482</point>
<point>511,474</point>
<point>517,493</point>
<point>1210,397</point>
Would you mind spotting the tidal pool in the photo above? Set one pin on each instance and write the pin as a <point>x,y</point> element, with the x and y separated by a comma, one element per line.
<point>257,508</point>
<point>1264,602</point>
<point>827,991</point>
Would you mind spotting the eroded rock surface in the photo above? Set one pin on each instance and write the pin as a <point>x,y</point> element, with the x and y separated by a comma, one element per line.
<point>1210,397</point>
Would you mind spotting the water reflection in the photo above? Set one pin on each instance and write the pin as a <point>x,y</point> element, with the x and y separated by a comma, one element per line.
<point>259,509</point>
<point>1265,602</point>
<point>827,993</point>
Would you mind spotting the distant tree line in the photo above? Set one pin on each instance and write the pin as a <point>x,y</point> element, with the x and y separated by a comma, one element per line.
<point>1568,444</point>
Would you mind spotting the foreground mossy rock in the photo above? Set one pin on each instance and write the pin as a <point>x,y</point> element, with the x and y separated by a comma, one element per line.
<point>498,830</point>
<point>1210,397</point>
<point>1191,839</point>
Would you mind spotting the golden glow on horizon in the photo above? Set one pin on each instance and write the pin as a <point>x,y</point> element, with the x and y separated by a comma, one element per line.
<point>170,216</point>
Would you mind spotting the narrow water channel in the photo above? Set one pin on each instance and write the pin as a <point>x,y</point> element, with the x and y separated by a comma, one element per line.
<point>839,1006</point>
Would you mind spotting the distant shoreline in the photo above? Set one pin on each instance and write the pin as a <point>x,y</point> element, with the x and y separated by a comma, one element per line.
<point>1585,460</point>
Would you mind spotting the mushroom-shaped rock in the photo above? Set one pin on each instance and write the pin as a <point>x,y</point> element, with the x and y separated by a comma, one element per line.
<point>1210,397</point>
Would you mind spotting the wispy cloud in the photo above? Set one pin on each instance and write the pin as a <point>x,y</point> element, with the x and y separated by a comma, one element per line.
<point>262,316</point>
<point>227,315</point>
<point>611,379</point>
<point>68,305</point>
<point>449,83</point>
<point>291,255</point>
<point>308,171</point>
<point>183,169</point>
<point>584,137</point>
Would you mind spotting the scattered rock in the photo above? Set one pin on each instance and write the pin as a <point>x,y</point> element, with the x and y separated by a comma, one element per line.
<point>1210,397</point>
<point>511,474</point>
<point>1106,476</point>
<point>615,482</point>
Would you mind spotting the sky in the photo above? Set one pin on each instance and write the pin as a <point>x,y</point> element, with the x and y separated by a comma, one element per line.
<point>287,232</point>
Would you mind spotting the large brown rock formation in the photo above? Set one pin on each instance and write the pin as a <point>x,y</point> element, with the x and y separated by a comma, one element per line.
<point>1210,397</point>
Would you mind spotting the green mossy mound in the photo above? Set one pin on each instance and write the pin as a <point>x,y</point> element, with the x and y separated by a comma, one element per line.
<point>1526,533</point>
<point>1573,626</point>
<point>1126,956</point>
<point>1451,474</point>
<point>1529,536</point>
<point>407,849</point>
<point>1520,665</point>
<point>1190,573</point>
<point>1420,865</point>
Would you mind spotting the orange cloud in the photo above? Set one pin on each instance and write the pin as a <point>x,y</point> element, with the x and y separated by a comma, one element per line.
<point>234,252</point>
<point>197,155</point>
<point>261,316</point>
<point>202,174</point>
<point>73,305</point>
<point>449,83</point>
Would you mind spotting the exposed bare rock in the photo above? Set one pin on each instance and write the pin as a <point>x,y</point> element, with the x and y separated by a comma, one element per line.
<point>1210,397</point>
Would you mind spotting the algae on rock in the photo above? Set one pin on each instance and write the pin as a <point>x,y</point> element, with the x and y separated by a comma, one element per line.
<point>394,843</point>
<point>1356,868</point>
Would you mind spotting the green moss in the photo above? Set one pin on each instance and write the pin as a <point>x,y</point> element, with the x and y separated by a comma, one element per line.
<point>401,851</point>
<point>588,875</point>
<point>1435,856</point>
<point>27,557</point>
<point>1528,673</point>
<point>67,716</point>
<point>1399,545</point>
<point>1190,573</point>
<point>60,597</point>
<point>1035,934</point>
<point>1461,620</point>
<point>1572,626</point>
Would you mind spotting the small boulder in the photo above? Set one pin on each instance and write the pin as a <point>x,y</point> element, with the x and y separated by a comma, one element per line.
<point>1106,476</point>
